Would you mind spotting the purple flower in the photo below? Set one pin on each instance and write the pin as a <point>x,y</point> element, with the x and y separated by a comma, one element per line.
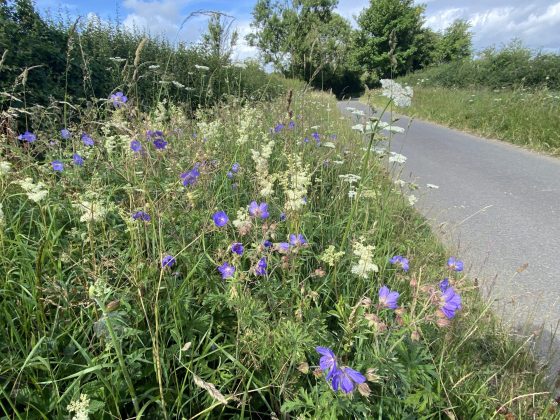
<point>291,125</point>
<point>230,175</point>
<point>190,177</point>
<point>168,261</point>
<point>135,146</point>
<point>297,240</point>
<point>77,159</point>
<point>316,136</point>
<point>87,140</point>
<point>160,143</point>
<point>387,298</point>
<point>400,261</point>
<point>235,168</point>
<point>346,379</point>
<point>455,264</point>
<point>237,248</point>
<point>28,136</point>
<point>260,270</point>
<point>258,210</point>
<point>278,127</point>
<point>118,99</point>
<point>140,215</point>
<point>227,270</point>
<point>267,244</point>
<point>57,165</point>
<point>65,134</point>
<point>220,218</point>
<point>443,285</point>
<point>282,247</point>
<point>282,217</point>
<point>450,302</point>
<point>306,140</point>
<point>327,362</point>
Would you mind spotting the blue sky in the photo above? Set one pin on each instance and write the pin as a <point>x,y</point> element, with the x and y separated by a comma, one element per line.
<point>494,22</point>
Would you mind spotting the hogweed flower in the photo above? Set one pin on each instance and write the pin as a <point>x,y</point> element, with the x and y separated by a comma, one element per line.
<point>118,99</point>
<point>226,270</point>
<point>400,261</point>
<point>77,160</point>
<point>387,298</point>
<point>141,215</point>
<point>455,264</point>
<point>87,140</point>
<point>450,302</point>
<point>258,210</point>
<point>57,166</point>
<point>397,158</point>
<point>220,218</point>
<point>401,96</point>
<point>168,261</point>
<point>237,248</point>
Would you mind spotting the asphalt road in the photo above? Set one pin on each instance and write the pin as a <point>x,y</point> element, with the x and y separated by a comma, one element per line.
<point>497,208</point>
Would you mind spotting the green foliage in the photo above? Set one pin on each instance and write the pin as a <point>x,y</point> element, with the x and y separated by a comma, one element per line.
<point>455,43</point>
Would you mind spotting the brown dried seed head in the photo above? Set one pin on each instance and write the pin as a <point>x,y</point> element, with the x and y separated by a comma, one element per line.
<point>303,367</point>
<point>364,390</point>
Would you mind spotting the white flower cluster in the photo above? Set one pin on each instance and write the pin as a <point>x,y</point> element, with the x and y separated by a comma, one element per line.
<point>80,408</point>
<point>92,211</point>
<point>35,192</point>
<point>330,256</point>
<point>5,167</point>
<point>264,179</point>
<point>351,179</point>
<point>209,130</point>
<point>397,158</point>
<point>295,182</point>
<point>401,96</point>
<point>243,221</point>
<point>248,122</point>
<point>365,263</point>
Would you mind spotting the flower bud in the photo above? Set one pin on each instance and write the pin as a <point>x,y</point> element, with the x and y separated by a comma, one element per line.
<point>303,368</point>
<point>364,390</point>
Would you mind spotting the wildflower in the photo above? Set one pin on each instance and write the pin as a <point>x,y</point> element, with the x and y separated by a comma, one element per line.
<point>455,264</point>
<point>397,158</point>
<point>264,179</point>
<point>220,218</point>
<point>229,175</point>
<point>202,68</point>
<point>57,166</point>
<point>65,134</point>
<point>5,167</point>
<point>92,211</point>
<point>35,192</point>
<point>316,136</point>
<point>226,270</point>
<point>295,181</point>
<point>282,247</point>
<point>291,125</point>
<point>278,127</point>
<point>237,248</point>
<point>260,270</point>
<point>400,261</point>
<point>401,96</point>
<point>327,362</point>
<point>297,240</point>
<point>432,186</point>
<point>190,177</point>
<point>87,140</point>
<point>80,408</point>
<point>365,264</point>
<point>118,99</point>
<point>135,146</point>
<point>346,379</point>
<point>235,168</point>
<point>160,143</point>
<point>267,244</point>
<point>168,261</point>
<point>1,216</point>
<point>450,302</point>
<point>28,136</point>
<point>444,284</point>
<point>387,298</point>
<point>330,256</point>
<point>77,159</point>
<point>412,199</point>
<point>258,210</point>
<point>140,215</point>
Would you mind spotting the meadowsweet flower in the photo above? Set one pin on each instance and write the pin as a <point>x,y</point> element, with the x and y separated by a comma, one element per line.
<point>455,264</point>
<point>80,408</point>
<point>168,261</point>
<point>65,134</point>
<point>226,270</point>
<point>135,146</point>
<point>365,264</point>
<point>260,269</point>
<point>141,215</point>
<point>5,167</point>
<point>401,96</point>
<point>242,222</point>
<point>220,218</point>
<point>77,160</point>
<point>264,179</point>
<point>28,136</point>
<point>237,248</point>
<point>87,140</point>
<point>346,379</point>
<point>297,240</point>
<point>400,261</point>
<point>118,99</point>
<point>35,192</point>
<point>450,302</point>
<point>258,210</point>
<point>387,298</point>
<point>190,177</point>
<point>327,362</point>
<point>295,182</point>
<point>57,166</point>
<point>330,256</point>
<point>92,211</point>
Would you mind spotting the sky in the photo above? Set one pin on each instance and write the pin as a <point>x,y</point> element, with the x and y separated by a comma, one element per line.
<point>494,22</point>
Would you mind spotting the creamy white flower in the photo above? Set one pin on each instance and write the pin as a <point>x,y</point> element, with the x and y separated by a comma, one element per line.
<point>401,96</point>
<point>350,178</point>
<point>80,408</point>
<point>329,144</point>
<point>203,68</point>
<point>412,199</point>
<point>92,211</point>
<point>397,158</point>
<point>400,182</point>
<point>35,192</point>
<point>365,264</point>
<point>5,167</point>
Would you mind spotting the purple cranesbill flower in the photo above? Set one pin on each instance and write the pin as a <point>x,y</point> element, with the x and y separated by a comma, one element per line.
<point>387,298</point>
<point>306,140</point>
<point>267,244</point>
<point>282,217</point>
<point>28,136</point>
<point>141,215</point>
<point>258,210</point>
<point>135,146</point>
<point>316,136</point>
<point>291,125</point>
<point>346,379</point>
<point>455,264</point>
<point>220,218</point>
<point>444,284</point>
<point>226,270</point>
<point>333,136</point>
<point>65,134</point>
<point>57,165</point>
<point>168,261</point>
<point>87,140</point>
<point>190,177</point>
<point>118,99</point>
<point>450,302</point>
<point>160,143</point>
<point>297,240</point>
<point>400,261</point>
<point>327,362</point>
<point>237,248</point>
<point>282,247</point>
<point>278,127</point>
<point>77,159</point>
<point>260,269</point>
<point>235,168</point>
<point>229,175</point>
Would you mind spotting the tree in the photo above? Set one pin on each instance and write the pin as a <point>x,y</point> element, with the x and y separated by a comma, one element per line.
<point>219,40</point>
<point>390,40</point>
<point>455,43</point>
